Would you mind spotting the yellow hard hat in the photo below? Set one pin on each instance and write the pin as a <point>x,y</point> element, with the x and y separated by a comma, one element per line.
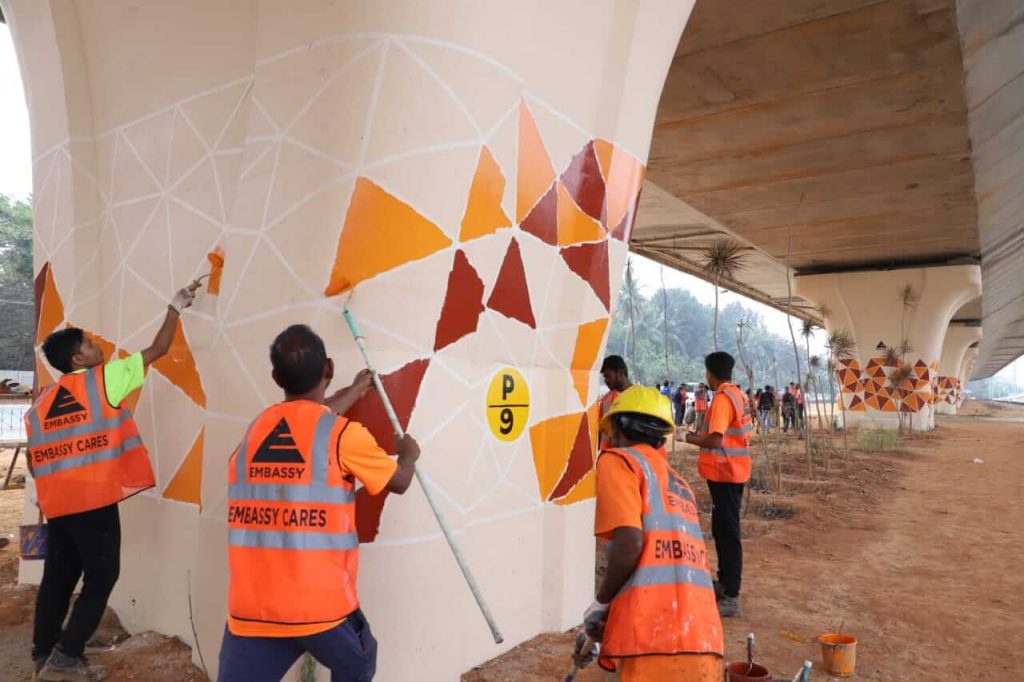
<point>640,400</point>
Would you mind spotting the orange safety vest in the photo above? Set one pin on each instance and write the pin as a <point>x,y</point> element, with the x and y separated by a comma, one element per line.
<point>607,401</point>
<point>731,462</point>
<point>667,606</point>
<point>85,453</point>
<point>700,401</point>
<point>293,549</point>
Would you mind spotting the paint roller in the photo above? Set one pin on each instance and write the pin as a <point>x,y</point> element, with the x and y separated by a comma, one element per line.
<point>434,507</point>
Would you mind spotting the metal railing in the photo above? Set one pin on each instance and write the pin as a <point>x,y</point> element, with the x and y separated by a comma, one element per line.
<point>12,419</point>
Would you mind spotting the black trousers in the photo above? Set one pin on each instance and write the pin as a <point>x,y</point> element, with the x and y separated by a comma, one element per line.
<point>726,500</point>
<point>88,543</point>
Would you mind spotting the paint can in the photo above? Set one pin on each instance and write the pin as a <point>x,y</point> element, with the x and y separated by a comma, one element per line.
<point>32,541</point>
<point>747,672</point>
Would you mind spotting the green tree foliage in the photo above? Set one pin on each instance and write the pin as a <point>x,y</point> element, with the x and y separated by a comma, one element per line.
<point>17,315</point>
<point>690,324</point>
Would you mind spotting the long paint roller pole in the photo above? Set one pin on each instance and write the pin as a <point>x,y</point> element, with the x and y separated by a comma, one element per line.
<point>438,514</point>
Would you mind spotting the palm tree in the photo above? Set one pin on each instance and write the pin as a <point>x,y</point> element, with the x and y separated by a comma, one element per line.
<point>631,291</point>
<point>841,345</point>
<point>722,260</point>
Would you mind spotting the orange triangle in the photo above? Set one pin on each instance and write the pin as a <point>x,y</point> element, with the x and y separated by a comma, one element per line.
<point>484,214</point>
<point>51,308</point>
<point>588,345</point>
<point>534,173</point>
<point>187,484</point>
<point>380,234</point>
<point>604,150</point>
<point>551,442</point>
<point>179,367</point>
<point>624,178</point>
<point>575,226</point>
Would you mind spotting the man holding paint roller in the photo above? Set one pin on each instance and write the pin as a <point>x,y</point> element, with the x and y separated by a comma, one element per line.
<point>654,614</point>
<point>85,455</point>
<point>293,549</point>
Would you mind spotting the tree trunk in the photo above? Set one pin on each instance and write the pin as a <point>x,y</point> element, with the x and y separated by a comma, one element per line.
<point>714,333</point>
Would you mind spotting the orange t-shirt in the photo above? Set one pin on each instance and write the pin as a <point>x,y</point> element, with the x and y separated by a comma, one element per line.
<point>721,415</point>
<point>618,497</point>
<point>358,454</point>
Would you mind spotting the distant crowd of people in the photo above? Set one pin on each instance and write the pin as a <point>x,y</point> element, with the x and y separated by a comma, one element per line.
<point>772,410</point>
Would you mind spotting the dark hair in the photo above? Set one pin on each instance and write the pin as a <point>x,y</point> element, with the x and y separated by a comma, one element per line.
<point>298,356</point>
<point>615,363</point>
<point>60,346</point>
<point>642,428</point>
<point>720,365</point>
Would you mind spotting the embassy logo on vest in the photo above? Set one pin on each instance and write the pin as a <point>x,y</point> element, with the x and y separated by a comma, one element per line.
<point>65,410</point>
<point>278,449</point>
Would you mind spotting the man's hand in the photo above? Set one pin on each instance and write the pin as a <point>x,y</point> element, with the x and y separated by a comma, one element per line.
<point>408,449</point>
<point>362,384</point>
<point>183,299</point>
<point>408,452</point>
<point>594,619</point>
<point>586,650</point>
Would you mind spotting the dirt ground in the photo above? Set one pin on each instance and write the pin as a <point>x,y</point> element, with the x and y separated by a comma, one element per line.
<point>146,657</point>
<point>915,552</point>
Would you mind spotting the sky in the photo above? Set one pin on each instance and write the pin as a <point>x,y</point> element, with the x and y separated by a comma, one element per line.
<point>16,181</point>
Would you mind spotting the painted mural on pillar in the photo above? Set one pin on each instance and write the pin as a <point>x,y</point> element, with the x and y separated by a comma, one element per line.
<point>873,387</point>
<point>520,261</point>
<point>949,390</point>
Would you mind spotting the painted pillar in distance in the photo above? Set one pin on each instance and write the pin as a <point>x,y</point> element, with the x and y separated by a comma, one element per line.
<point>464,174</point>
<point>899,337</point>
<point>959,339</point>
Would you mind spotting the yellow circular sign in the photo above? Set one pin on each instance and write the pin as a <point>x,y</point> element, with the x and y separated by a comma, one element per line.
<point>508,404</point>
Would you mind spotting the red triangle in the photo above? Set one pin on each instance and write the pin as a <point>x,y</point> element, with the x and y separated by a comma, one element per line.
<point>542,221</point>
<point>581,461</point>
<point>463,303</point>
<point>403,387</point>
<point>584,182</point>
<point>511,295</point>
<point>590,262</point>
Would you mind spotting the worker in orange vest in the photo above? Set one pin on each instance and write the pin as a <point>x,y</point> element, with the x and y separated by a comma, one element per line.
<point>654,614</point>
<point>616,378</point>
<point>700,407</point>
<point>293,549</point>
<point>85,455</point>
<point>724,462</point>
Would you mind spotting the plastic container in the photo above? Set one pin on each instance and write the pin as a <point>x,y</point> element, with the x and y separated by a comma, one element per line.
<point>838,653</point>
<point>32,541</point>
<point>745,672</point>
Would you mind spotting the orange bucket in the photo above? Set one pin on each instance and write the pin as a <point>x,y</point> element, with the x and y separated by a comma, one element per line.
<point>838,653</point>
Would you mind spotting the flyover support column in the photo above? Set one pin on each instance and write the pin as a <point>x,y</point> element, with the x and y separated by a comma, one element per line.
<point>899,320</point>
<point>959,339</point>
<point>966,370</point>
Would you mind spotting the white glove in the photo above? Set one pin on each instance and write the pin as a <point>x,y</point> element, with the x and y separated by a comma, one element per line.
<point>594,619</point>
<point>183,299</point>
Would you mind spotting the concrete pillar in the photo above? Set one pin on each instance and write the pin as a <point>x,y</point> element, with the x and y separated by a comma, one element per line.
<point>966,372</point>
<point>959,339</point>
<point>470,170</point>
<point>880,384</point>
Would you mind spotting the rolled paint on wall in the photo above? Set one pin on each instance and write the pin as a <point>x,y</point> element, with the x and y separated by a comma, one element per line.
<point>472,172</point>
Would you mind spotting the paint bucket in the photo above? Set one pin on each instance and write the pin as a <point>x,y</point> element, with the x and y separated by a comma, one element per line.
<point>838,653</point>
<point>747,672</point>
<point>32,541</point>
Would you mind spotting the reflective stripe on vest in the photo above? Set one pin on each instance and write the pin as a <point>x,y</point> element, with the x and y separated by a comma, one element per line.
<point>657,518</point>
<point>98,423</point>
<point>744,430</point>
<point>84,460</point>
<point>317,490</point>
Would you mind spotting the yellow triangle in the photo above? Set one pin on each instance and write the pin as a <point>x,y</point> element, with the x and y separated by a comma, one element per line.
<point>575,226</point>
<point>187,484</point>
<point>534,173</point>
<point>484,214</point>
<point>380,234</point>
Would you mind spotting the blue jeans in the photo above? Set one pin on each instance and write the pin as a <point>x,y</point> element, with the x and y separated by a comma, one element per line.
<point>349,651</point>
